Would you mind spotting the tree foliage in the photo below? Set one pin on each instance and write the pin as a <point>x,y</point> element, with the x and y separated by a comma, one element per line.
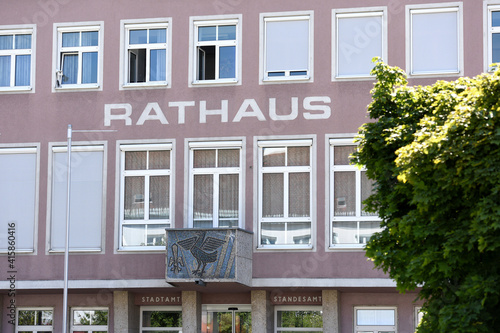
<point>434,153</point>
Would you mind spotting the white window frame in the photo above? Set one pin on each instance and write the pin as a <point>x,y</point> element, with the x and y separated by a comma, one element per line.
<point>216,172</point>
<point>282,17</point>
<point>159,308</point>
<point>296,308</point>
<point>88,328</point>
<point>28,29</point>
<point>219,20</point>
<point>128,147</point>
<point>77,147</point>
<point>57,62</point>
<point>156,23</point>
<point>429,9</point>
<point>26,149</point>
<point>418,314</point>
<point>488,35</point>
<point>34,328</point>
<point>375,328</point>
<point>260,171</point>
<point>356,13</point>
<point>358,217</point>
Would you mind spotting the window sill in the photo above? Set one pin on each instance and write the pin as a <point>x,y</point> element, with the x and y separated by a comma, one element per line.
<point>78,87</point>
<point>142,249</point>
<point>149,85</point>
<point>286,79</point>
<point>434,74</point>
<point>24,89</point>
<point>61,251</point>
<point>353,78</point>
<point>347,247</point>
<point>277,248</point>
<point>215,83</point>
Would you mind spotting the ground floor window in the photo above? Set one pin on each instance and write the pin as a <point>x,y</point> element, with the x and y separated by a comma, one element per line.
<point>156,319</point>
<point>419,315</point>
<point>34,320</point>
<point>89,320</point>
<point>298,319</point>
<point>375,319</point>
<point>226,319</point>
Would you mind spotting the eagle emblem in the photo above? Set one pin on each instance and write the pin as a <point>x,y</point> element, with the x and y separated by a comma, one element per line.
<point>203,249</point>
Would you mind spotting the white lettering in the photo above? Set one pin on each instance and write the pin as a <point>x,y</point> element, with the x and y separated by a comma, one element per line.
<point>326,110</point>
<point>242,112</point>
<point>146,114</point>
<point>204,112</point>
<point>124,116</point>
<point>314,108</point>
<point>293,114</point>
<point>181,110</point>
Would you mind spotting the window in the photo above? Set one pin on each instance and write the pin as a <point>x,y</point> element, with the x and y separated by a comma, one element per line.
<point>161,319</point>
<point>17,58</point>
<point>215,184</point>
<point>287,46</point>
<point>18,197</point>
<point>79,56</point>
<point>419,315</point>
<point>358,38</point>
<point>285,193</point>
<point>434,38</point>
<point>226,318</point>
<point>351,225</point>
<point>86,198</point>
<point>216,51</point>
<point>147,53</point>
<point>34,320</point>
<point>375,320</point>
<point>145,195</point>
<point>290,319</point>
<point>89,320</point>
<point>493,33</point>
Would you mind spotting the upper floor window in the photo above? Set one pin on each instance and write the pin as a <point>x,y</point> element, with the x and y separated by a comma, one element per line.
<point>145,195</point>
<point>34,320</point>
<point>85,320</point>
<point>86,198</point>
<point>287,46</point>
<point>216,52</point>
<point>434,40</point>
<point>18,198</point>
<point>493,35</point>
<point>16,58</point>
<point>285,193</point>
<point>215,184</point>
<point>375,319</point>
<point>147,50</point>
<point>359,36</point>
<point>351,225</point>
<point>78,60</point>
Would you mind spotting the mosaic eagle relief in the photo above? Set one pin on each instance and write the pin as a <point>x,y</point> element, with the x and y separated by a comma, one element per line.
<point>201,254</point>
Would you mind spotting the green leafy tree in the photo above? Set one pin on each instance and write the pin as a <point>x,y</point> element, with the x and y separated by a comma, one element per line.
<point>434,153</point>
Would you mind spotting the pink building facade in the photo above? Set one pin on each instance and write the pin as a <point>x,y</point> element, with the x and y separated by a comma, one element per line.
<point>211,189</point>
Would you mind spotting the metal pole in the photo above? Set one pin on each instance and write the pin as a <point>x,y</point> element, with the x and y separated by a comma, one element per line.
<point>66,249</point>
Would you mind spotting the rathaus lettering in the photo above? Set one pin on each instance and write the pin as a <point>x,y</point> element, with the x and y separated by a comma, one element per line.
<point>309,108</point>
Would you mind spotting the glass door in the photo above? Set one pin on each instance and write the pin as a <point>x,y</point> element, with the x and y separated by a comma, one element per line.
<point>226,319</point>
